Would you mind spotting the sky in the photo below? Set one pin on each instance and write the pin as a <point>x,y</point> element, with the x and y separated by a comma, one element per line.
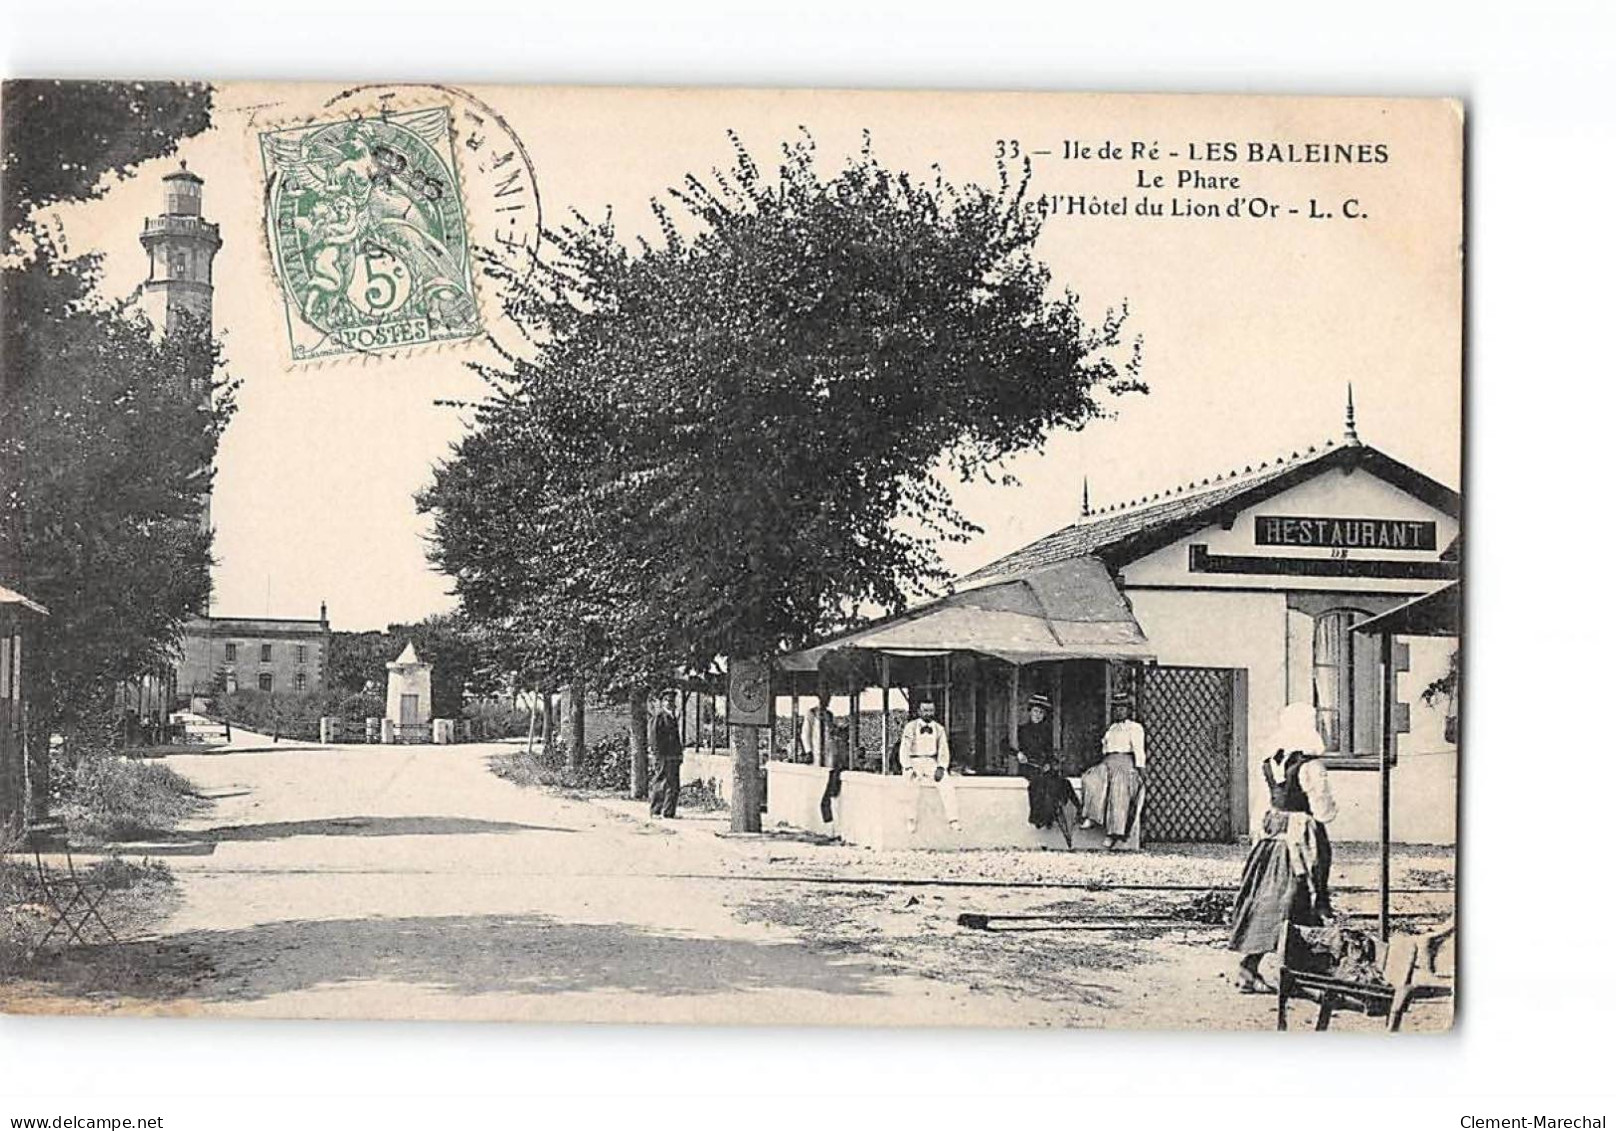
<point>1252,327</point>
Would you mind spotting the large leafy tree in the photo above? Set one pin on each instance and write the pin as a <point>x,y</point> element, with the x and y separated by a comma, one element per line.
<point>729,441</point>
<point>530,563</point>
<point>110,430</point>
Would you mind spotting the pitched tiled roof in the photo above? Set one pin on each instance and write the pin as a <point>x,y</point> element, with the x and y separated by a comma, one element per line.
<point>1142,523</point>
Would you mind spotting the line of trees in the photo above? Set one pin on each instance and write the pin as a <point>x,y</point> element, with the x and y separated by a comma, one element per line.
<point>107,431</point>
<point>729,440</point>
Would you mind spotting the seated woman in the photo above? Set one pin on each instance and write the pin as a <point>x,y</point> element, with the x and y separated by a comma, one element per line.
<point>1048,790</point>
<point>1035,738</point>
<point>1287,874</point>
<point>1111,787</point>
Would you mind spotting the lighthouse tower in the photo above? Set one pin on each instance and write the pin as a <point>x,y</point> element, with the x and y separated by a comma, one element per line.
<point>180,246</point>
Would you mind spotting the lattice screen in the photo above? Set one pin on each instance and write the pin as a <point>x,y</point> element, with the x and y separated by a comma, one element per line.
<point>1187,714</point>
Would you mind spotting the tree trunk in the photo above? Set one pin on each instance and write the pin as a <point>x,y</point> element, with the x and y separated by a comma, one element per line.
<point>575,750</point>
<point>549,722</point>
<point>639,770</point>
<point>746,794</point>
<point>533,719</point>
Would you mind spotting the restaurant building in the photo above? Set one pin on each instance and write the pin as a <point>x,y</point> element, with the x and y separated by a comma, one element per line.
<point>1207,607</point>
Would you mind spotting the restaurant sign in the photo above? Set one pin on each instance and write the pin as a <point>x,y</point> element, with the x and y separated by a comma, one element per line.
<point>1336,533</point>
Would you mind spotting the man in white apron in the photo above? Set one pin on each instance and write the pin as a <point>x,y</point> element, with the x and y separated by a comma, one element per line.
<point>923,755</point>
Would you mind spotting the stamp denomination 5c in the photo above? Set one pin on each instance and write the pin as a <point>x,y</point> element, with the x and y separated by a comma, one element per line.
<point>367,233</point>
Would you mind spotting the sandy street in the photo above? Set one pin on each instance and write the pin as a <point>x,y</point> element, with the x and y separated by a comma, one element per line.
<point>410,882</point>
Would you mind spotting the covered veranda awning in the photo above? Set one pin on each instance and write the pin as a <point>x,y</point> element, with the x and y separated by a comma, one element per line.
<point>1066,612</point>
<point>1436,614</point>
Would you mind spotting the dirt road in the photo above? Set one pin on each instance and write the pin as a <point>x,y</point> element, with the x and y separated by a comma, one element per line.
<point>411,882</point>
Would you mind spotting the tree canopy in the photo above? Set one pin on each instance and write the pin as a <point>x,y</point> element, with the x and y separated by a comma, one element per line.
<point>464,662</point>
<point>61,138</point>
<point>727,441</point>
<point>109,430</point>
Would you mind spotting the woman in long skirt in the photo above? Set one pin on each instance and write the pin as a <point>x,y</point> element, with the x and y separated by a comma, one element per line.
<point>1111,787</point>
<point>1287,875</point>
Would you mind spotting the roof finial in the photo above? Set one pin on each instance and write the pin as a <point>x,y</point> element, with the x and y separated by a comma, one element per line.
<point>1086,511</point>
<point>1351,434</point>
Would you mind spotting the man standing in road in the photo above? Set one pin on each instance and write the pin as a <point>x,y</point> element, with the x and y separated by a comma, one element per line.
<point>667,754</point>
<point>923,754</point>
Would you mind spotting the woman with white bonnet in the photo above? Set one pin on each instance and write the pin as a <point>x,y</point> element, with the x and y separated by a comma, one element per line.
<point>1287,876</point>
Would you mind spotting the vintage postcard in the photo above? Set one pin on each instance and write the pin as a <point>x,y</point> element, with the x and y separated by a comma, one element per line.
<point>730,556</point>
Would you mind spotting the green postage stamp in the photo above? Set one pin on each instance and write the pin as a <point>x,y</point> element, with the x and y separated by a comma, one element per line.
<point>367,233</point>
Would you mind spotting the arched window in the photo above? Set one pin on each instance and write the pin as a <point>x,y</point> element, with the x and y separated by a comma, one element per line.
<point>1346,684</point>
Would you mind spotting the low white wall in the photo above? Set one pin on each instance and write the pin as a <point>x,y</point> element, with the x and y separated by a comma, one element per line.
<point>794,793</point>
<point>873,810</point>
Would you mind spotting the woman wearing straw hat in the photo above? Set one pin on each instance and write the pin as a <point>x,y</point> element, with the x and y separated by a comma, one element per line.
<point>1035,738</point>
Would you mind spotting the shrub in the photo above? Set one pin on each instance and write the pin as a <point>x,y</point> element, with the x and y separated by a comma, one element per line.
<point>116,799</point>
<point>605,767</point>
<point>356,708</point>
<point>701,796</point>
<point>605,764</point>
<point>497,719</point>
<point>276,712</point>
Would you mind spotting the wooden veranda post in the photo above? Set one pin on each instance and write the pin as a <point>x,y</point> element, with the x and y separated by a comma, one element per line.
<point>1015,704</point>
<point>1057,710</point>
<point>852,720</point>
<point>1388,746</point>
<point>822,727</point>
<point>796,739</point>
<point>886,714</point>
